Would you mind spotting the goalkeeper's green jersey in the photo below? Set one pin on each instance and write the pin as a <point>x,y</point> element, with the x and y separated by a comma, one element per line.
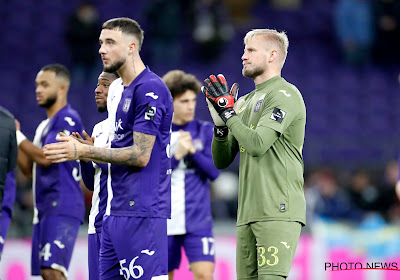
<point>271,183</point>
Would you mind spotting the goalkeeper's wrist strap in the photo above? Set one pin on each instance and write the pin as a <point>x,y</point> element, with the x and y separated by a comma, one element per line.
<point>20,137</point>
<point>221,131</point>
<point>227,114</point>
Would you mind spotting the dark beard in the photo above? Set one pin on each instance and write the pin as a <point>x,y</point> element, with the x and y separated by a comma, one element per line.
<point>253,73</point>
<point>49,102</point>
<point>114,67</point>
<point>101,109</point>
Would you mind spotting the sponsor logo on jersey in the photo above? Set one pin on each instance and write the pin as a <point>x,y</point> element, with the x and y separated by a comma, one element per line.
<point>147,252</point>
<point>59,244</point>
<point>278,115</point>
<point>152,95</point>
<point>126,104</point>
<point>258,105</point>
<point>285,244</point>
<point>118,125</point>
<point>285,93</point>
<point>150,113</point>
<point>69,121</point>
<point>282,207</point>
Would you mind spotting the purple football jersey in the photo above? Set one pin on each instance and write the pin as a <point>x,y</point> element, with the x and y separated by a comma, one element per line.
<point>56,187</point>
<point>145,107</point>
<point>191,208</point>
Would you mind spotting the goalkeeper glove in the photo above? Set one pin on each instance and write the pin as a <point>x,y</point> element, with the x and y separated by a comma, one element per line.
<point>219,95</point>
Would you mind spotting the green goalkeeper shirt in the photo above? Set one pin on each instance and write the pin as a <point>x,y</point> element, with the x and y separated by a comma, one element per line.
<point>270,176</point>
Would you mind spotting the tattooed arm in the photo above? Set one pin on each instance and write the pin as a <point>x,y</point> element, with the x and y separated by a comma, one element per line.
<point>70,149</point>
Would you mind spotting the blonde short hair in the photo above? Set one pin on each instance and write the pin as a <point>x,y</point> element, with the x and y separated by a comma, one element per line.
<point>280,39</point>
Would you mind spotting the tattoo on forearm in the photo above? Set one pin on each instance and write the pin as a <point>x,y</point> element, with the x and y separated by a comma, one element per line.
<point>75,150</point>
<point>137,155</point>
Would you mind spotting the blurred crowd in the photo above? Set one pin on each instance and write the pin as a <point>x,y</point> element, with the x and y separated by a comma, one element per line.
<point>367,31</point>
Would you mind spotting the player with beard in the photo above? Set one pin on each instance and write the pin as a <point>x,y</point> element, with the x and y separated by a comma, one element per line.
<point>134,241</point>
<point>58,199</point>
<point>268,132</point>
<point>95,175</point>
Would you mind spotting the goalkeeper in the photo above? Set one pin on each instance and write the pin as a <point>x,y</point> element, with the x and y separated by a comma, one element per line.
<point>267,128</point>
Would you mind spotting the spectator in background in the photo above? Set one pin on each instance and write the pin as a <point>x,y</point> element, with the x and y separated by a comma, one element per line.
<point>387,28</point>
<point>387,189</point>
<point>211,28</point>
<point>363,194</point>
<point>353,22</point>
<point>81,35</point>
<point>164,29</point>
<point>327,199</point>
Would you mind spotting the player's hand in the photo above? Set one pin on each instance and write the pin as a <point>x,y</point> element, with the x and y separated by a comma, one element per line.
<point>185,145</point>
<point>219,95</point>
<point>214,115</point>
<point>88,140</point>
<point>67,149</point>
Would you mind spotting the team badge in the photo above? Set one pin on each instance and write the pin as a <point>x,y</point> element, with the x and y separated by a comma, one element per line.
<point>258,105</point>
<point>150,113</point>
<point>126,105</point>
<point>278,115</point>
<point>198,144</point>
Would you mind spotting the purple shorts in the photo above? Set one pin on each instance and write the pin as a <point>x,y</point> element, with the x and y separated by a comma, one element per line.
<point>199,246</point>
<point>134,248</point>
<point>53,240</point>
<point>94,255</point>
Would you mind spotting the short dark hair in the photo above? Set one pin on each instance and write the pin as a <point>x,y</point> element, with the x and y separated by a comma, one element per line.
<point>113,73</point>
<point>179,82</point>
<point>127,26</point>
<point>59,69</point>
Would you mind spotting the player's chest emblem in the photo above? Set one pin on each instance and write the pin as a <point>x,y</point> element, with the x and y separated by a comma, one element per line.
<point>258,105</point>
<point>127,103</point>
<point>198,144</point>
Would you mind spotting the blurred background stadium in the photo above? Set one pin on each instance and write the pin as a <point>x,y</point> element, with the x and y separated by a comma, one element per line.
<point>344,56</point>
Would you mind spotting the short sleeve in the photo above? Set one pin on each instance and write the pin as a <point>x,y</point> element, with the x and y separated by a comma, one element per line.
<point>150,108</point>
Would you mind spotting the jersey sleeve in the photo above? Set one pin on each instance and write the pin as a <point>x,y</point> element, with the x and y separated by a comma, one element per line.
<point>150,108</point>
<point>88,174</point>
<point>280,109</point>
<point>203,159</point>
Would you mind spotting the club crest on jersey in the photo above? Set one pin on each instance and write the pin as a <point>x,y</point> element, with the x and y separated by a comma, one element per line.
<point>258,105</point>
<point>278,115</point>
<point>150,113</point>
<point>198,144</point>
<point>126,105</point>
